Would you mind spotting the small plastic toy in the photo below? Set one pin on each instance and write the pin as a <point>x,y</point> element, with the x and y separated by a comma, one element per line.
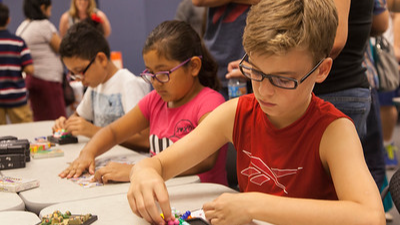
<point>185,219</point>
<point>43,149</point>
<point>61,137</point>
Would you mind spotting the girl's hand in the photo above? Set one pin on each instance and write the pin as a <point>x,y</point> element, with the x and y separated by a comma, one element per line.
<point>147,187</point>
<point>228,209</point>
<point>85,161</point>
<point>113,171</point>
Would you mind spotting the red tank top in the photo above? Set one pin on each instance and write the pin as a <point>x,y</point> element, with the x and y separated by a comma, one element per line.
<point>286,161</point>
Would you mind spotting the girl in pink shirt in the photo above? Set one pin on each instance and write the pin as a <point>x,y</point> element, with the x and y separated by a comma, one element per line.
<point>183,74</point>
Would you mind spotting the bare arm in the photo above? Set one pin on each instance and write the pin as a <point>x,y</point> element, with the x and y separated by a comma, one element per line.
<point>147,177</point>
<point>393,5</point>
<point>138,142</point>
<point>396,33</point>
<point>55,42</point>
<point>343,9</point>
<point>342,156</point>
<point>206,164</point>
<point>29,69</point>
<point>63,27</point>
<point>106,23</point>
<point>380,23</point>
<point>107,137</point>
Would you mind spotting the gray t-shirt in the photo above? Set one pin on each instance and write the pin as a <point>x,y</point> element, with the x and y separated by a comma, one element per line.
<point>37,35</point>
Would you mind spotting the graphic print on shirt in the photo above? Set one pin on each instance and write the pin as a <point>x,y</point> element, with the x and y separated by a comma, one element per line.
<point>181,129</point>
<point>157,145</point>
<point>107,108</point>
<point>260,173</point>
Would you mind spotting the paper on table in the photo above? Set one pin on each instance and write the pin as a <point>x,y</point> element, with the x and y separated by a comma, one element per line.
<point>85,179</point>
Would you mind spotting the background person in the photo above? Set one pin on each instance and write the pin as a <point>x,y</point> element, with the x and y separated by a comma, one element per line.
<point>15,58</point>
<point>183,75</point>
<point>45,85</point>
<point>111,92</point>
<point>80,10</point>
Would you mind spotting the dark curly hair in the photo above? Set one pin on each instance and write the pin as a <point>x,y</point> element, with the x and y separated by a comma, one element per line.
<point>83,41</point>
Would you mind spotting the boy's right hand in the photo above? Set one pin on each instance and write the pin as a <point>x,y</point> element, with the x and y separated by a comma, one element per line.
<point>147,187</point>
<point>59,124</point>
<point>78,166</point>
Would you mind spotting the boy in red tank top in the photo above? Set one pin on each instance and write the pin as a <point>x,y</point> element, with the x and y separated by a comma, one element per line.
<point>299,159</point>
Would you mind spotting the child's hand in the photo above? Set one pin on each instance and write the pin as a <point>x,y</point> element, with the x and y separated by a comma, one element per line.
<point>228,209</point>
<point>113,171</point>
<point>59,124</point>
<point>78,166</point>
<point>146,188</point>
<point>79,126</point>
<point>234,71</point>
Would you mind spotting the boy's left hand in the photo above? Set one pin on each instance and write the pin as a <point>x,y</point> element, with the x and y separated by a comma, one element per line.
<point>113,171</point>
<point>228,209</point>
<point>79,126</point>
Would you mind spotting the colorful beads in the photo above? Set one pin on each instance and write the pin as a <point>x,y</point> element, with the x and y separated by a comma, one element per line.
<point>179,218</point>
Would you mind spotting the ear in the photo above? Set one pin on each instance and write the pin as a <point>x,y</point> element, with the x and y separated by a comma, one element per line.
<point>102,58</point>
<point>43,7</point>
<point>195,66</point>
<point>8,20</point>
<point>324,69</point>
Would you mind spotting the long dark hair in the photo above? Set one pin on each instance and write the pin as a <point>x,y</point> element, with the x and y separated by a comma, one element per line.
<point>33,11</point>
<point>177,40</point>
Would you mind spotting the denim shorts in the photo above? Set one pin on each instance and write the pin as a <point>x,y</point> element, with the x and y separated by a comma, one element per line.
<point>355,103</point>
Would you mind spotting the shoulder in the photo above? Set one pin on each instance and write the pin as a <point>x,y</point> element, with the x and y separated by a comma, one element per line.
<point>152,99</point>
<point>207,94</point>
<point>128,78</point>
<point>64,17</point>
<point>44,24</point>
<point>100,13</point>
<point>339,137</point>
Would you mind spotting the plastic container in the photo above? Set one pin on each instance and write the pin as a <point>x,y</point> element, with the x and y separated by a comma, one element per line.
<point>236,87</point>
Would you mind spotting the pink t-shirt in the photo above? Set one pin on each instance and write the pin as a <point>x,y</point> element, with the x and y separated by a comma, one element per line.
<point>168,125</point>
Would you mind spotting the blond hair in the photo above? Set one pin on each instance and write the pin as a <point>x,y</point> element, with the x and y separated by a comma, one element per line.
<point>73,11</point>
<point>277,26</point>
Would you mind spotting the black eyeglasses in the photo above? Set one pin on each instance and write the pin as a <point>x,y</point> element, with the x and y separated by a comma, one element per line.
<point>81,74</point>
<point>162,76</point>
<point>279,81</point>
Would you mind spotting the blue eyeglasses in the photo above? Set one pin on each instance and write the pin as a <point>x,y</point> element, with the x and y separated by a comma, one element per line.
<point>162,76</point>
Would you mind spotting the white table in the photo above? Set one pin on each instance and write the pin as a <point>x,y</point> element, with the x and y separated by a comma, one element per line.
<point>115,209</point>
<point>18,218</point>
<point>10,201</point>
<point>52,188</point>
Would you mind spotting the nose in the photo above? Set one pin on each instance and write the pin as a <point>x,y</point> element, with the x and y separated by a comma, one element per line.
<point>156,83</point>
<point>266,88</point>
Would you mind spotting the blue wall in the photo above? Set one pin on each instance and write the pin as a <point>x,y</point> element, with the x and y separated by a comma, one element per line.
<point>131,22</point>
